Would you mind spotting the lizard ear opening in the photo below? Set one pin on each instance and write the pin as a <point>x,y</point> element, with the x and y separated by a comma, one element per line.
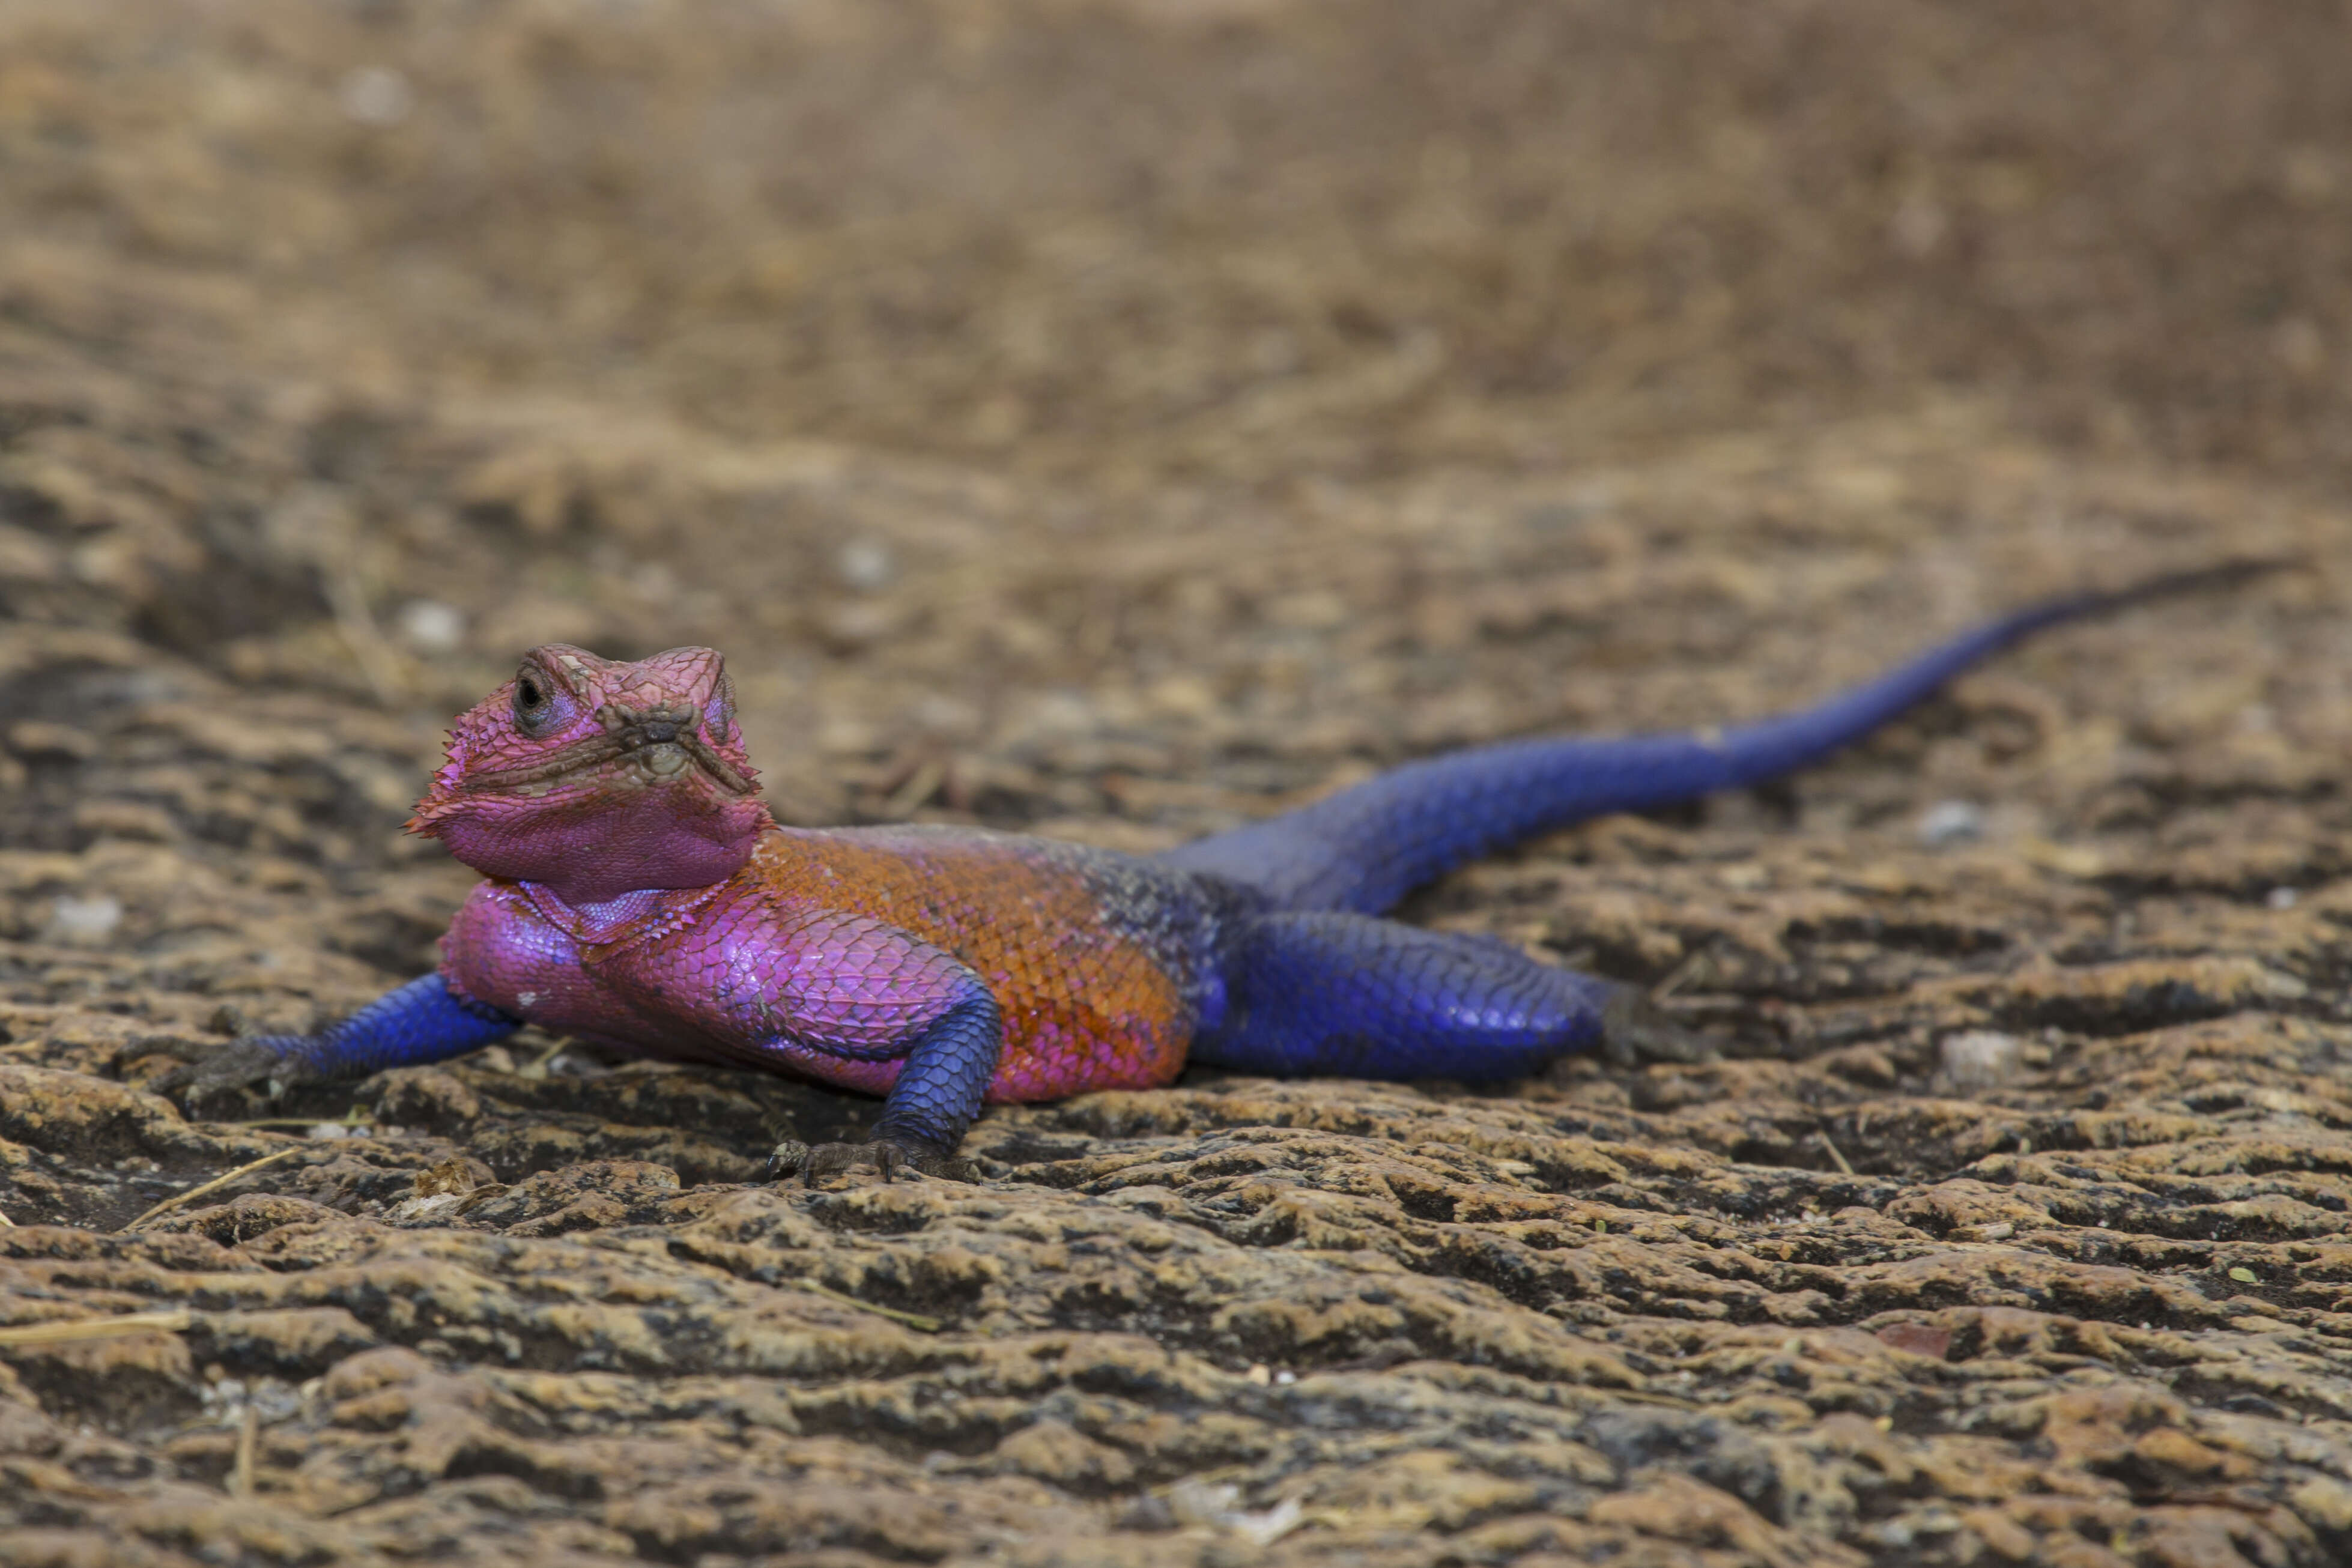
<point>719,713</point>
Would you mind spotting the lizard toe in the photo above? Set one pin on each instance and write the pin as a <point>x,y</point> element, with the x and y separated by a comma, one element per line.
<point>1634,1032</point>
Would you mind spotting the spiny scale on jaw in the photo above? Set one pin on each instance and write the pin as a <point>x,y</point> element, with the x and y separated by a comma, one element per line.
<point>535,778</point>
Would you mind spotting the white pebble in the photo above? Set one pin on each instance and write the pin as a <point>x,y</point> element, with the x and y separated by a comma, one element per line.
<point>376,95</point>
<point>1195,1502</point>
<point>431,626</point>
<point>1981,1059</point>
<point>1951,823</point>
<point>81,922</point>
<point>864,564</point>
<point>2283,898</point>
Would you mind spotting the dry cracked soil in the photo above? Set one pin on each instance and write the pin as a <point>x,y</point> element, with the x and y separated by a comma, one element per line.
<point>1119,420</point>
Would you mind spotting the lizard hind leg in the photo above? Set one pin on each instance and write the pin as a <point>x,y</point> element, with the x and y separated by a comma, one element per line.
<point>1323,993</point>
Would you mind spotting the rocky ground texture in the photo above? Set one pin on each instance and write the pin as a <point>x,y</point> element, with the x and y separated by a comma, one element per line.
<point>1118,421</point>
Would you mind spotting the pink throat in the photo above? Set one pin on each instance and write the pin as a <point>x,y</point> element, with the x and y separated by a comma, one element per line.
<point>596,850</point>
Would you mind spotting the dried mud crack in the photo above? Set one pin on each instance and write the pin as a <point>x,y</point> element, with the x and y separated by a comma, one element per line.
<point>1119,421</point>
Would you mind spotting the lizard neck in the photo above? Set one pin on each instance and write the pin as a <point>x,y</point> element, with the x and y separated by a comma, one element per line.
<point>610,925</point>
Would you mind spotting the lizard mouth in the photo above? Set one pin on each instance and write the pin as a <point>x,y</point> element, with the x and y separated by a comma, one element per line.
<point>656,745</point>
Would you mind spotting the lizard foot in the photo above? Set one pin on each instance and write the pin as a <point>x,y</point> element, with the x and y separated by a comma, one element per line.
<point>1633,1032</point>
<point>265,1058</point>
<point>888,1155</point>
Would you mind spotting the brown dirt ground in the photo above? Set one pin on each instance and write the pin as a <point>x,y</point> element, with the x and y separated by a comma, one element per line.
<point>1119,420</point>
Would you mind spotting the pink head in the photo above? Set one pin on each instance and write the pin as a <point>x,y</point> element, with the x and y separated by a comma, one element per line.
<point>595,778</point>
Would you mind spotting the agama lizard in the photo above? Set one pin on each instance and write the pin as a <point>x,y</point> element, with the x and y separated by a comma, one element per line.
<point>640,896</point>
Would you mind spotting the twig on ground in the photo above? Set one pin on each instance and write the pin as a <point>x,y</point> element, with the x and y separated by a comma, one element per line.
<point>348,600</point>
<point>540,1066</point>
<point>912,1320</point>
<point>249,1439</point>
<point>213,1186</point>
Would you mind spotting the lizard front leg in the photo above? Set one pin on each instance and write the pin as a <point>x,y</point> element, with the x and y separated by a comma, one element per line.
<point>424,1020</point>
<point>845,1000</point>
<point>938,1094</point>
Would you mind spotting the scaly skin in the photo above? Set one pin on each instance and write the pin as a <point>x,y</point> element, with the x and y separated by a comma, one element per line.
<point>640,896</point>
<point>827,952</point>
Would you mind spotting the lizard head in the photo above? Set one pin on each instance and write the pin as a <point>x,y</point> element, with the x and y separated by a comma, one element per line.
<point>597,779</point>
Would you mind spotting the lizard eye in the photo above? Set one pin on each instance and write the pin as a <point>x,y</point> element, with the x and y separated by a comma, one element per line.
<point>534,703</point>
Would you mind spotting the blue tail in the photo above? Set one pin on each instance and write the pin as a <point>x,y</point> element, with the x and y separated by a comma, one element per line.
<point>1365,848</point>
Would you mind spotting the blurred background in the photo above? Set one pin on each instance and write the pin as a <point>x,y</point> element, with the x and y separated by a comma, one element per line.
<point>1132,407</point>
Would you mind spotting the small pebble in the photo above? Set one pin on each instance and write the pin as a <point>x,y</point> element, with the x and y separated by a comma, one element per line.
<point>572,1064</point>
<point>82,922</point>
<point>1196,1502</point>
<point>376,95</point>
<point>431,626</point>
<point>865,565</point>
<point>1147,1513</point>
<point>2283,898</point>
<point>1951,823</point>
<point>1981,1059</point>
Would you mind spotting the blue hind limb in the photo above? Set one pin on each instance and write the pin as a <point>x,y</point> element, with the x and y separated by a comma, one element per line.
<point>1347,994</point>
<point>1365,848</point>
